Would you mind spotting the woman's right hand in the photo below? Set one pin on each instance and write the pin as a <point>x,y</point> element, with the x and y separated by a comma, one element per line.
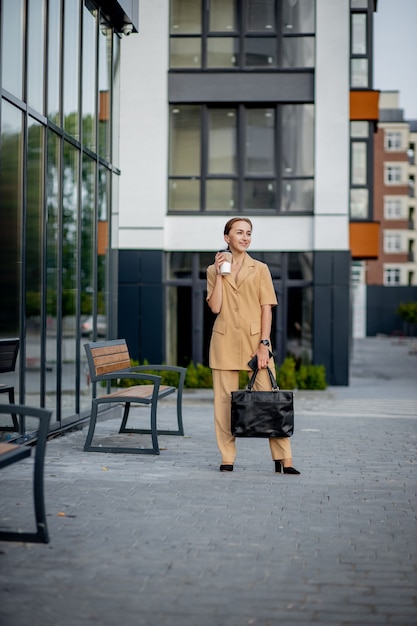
<point>219,259</point>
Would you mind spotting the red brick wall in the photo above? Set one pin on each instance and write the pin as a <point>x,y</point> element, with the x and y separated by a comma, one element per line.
<point>375,275</point>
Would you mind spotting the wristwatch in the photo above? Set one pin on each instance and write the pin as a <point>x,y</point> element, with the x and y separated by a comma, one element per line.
<point>265,342</point>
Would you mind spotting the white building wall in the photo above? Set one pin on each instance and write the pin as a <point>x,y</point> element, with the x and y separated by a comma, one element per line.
<point>143,223</point>
<point>331,225</point>
<point>144,129</point>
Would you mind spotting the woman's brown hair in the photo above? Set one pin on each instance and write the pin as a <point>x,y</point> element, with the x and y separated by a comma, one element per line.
<point>230,223</point>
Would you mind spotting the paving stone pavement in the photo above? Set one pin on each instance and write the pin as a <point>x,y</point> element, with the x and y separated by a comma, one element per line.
<point>169,540</point>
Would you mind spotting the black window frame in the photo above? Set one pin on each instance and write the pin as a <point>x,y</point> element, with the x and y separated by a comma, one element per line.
<point>278,177</point>
<point>241,35</point>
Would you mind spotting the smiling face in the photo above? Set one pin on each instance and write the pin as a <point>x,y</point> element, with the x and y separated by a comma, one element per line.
<point>239,236</point>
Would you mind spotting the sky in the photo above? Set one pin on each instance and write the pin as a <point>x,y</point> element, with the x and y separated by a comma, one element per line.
<point>395,52</point>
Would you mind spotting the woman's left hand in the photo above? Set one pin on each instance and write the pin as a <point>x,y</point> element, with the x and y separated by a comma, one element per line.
<point>262,354</point>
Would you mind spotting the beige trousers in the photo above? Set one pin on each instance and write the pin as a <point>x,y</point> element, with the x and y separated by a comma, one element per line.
<point>224,382</point>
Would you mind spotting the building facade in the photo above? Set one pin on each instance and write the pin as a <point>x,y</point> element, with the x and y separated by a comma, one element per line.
<point>395,196</point>
<point>243,108</point>
<point>391,279</point>
<point>260,109</point>
<point>59,171</point>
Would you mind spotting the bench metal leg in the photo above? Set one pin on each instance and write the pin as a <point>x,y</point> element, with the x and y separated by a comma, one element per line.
<point>91,428</point>
<point>14,416</point>
<point>180,429</point>
<point>15,427</point>
<point>179,414</point>
<point>123,449</point>
<point>41,535</point>
<point>124,420</point>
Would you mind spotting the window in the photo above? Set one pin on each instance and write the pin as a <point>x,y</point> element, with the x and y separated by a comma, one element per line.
<point>359,163</point>
<point>359,39</point>
<point>206,34</point>
<point>359,47</point>
<point>411,153</point>
<point>359,129</point>
<point>392,276</point>
<point>12,46</point>
<point>392,208</point>
<point>359,203</point>
<point>392,140</point>
<point>360,150</point>
<point>393,175</point>
<point>238,158</point>
<point>411,185</point>
<point>392,242</point>
<point>35,57</point>
<point>359,73</point>
<point>71,69</point>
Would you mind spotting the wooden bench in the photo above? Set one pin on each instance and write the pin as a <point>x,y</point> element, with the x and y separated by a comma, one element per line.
<point>8,356</point>
<point>110,360</point>
<point>11,453</point>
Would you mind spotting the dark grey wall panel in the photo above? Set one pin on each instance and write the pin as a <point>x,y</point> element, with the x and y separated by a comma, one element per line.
<point>381,305</point>
<point>241,87</point>
<point>140,303</point>
<point>127,313</point>
<point>331,315</point>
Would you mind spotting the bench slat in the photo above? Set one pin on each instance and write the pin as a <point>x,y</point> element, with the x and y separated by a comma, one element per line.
<point>111,358</point>
<point>118,357</point>
<point>11,453</point>
<point>111,367</point>
<point>112,349</point>
<point>7,447</point>
<point>140,391</point>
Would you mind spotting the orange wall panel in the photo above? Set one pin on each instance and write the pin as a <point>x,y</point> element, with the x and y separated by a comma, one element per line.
<point>364,105</point>
<point>364,240</point>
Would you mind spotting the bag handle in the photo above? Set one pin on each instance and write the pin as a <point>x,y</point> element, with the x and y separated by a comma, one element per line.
<point>274,383</point>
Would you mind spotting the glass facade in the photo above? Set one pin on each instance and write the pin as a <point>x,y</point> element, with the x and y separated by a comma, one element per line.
<point>242,35</point>
<point>361,132</point>
<point>241,159</point>
<point>292,275</point>
<point>360,44</point>
<point>58,118</point>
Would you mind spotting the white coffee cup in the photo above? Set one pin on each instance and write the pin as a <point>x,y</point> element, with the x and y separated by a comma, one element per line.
<point>226,267</point>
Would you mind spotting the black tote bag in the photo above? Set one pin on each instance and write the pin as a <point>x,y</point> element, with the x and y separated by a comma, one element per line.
<point>262,413</point>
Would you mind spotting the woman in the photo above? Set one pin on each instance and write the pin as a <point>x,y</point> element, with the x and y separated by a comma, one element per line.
<point>242,301</point>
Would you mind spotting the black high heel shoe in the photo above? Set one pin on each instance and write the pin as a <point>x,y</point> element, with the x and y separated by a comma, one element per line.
<point>226,468</point>
<point>287,470</point>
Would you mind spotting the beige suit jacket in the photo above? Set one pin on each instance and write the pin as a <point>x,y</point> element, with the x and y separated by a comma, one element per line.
<point>237,329</point>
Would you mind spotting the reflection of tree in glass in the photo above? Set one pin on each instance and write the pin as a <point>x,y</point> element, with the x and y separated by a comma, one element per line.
<point>33,222</point>
<point>87,230</point>
<point>10,220</point>
<point>52,226</point>
<point>69,228</point>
